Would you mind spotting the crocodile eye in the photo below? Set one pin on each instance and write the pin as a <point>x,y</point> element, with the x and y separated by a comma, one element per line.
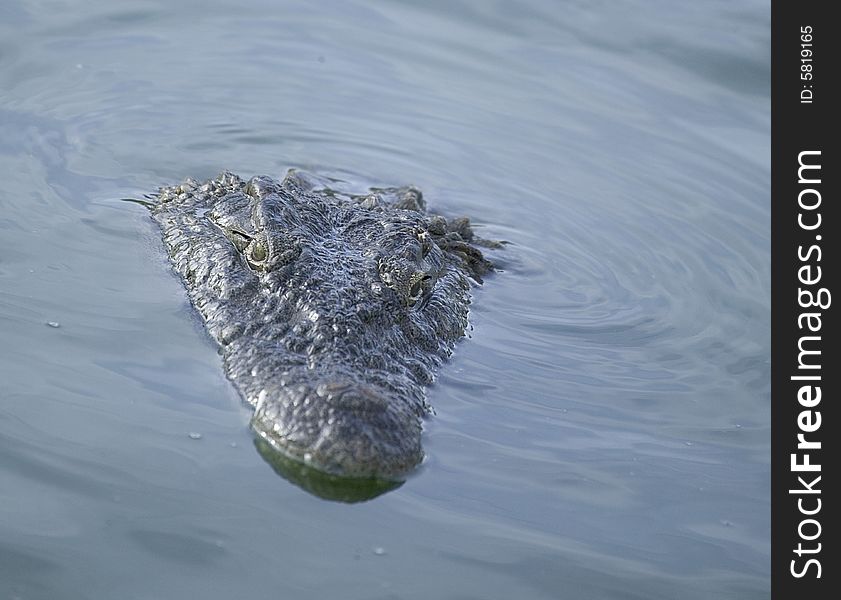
<point>417,289</point>
<point>239,239</point>
<point>425,242</point>
<point>258,252</point>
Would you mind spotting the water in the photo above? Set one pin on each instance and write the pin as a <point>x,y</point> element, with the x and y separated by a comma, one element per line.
<point>604,434</point>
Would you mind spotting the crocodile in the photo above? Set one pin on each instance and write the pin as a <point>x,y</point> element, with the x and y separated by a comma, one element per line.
<point>332,311</point>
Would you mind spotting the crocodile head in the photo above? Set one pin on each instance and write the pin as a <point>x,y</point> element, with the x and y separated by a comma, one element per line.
<point>333,312</point>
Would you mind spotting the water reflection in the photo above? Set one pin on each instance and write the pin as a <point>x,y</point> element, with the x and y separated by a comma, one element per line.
<point>321,484</point>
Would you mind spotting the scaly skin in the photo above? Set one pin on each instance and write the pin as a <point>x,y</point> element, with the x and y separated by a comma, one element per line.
<point>332,312</point>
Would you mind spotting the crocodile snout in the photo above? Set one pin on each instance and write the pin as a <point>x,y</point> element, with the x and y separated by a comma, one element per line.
<point>342,427</point>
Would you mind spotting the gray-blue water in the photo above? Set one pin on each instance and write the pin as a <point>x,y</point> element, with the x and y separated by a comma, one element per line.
<point>603,434</point>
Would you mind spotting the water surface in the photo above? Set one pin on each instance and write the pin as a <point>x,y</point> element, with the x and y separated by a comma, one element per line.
<point>603,434</point>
